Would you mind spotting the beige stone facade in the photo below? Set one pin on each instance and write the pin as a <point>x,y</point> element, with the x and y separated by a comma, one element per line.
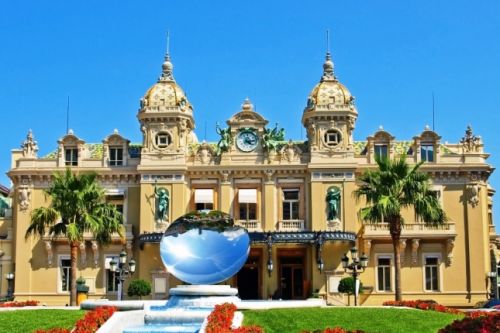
<point>272,187</point>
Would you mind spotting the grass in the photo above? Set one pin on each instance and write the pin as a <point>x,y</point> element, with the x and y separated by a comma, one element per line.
<point>27,321</point>
<point>371,320</point>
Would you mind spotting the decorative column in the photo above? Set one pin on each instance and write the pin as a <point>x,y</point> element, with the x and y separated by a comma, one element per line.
<point>95,252</point>
<point>402,250</point>
<point>83,253</point>
<point>415,243</point>
<point>50,254</point>
<point>450,244</point>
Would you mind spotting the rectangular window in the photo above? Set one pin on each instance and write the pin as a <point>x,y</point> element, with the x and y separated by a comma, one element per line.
<point>431,274</point>
<point>290,204</point>
<point>204,199</point>
<point>247,201</point>
<point>381,151</point>
<point>427,153</point>
<point>111,277</point>
<point>248,211</point>
<point>65,264</point>
<point>117,200</point>
<point>384,274</point>
<point>115,156</point>
<point>71,156</point>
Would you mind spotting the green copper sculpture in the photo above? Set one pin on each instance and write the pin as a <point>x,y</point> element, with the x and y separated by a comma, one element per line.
<point>162,202</point>
<point>226,139</point>
<point>333,202</point>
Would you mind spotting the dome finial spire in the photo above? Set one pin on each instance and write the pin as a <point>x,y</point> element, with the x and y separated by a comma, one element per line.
<point>167,73</point>
<point>328,65</point>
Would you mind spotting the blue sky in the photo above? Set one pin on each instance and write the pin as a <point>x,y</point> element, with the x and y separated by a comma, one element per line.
<point>391,55</point>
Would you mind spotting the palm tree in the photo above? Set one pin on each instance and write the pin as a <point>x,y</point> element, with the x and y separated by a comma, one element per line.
<point>77,206</point>
<point>392,187</point>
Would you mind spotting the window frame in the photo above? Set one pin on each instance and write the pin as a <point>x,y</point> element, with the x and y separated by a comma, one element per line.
<point>290,202</point>
<point>331,143</point>
<point>378,146</point>
<point>391,267</point>
<point>73,161</point>
<point>439,279</point>
<point>60,269</point>
<point>203,205</point>
<point>114,160</point>
<point>424,147</point>
<point>107,272</point>
<point>237,204</point>
<point>112,196</point>
<point>158,138</point>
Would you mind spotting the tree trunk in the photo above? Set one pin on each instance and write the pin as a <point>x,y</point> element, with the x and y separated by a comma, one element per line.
<point>395,229</point>
<point>73,258</point>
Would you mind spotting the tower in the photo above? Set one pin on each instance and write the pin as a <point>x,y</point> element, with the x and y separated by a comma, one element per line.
<point>330,116</point>
<point>166,120</point>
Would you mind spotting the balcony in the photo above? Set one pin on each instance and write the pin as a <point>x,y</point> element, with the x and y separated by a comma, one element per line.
<point>250,225</point>
<point>410,230</point>
<point>127,235</point>
<point>291,225</point>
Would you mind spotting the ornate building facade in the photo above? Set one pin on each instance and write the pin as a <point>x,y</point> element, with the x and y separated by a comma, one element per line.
<point>294,197</point>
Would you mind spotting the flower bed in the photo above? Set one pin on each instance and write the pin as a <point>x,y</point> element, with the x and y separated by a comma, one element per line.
<point>221,318</point>
<point>423,305</point>
<point>477,321</point>
<point>90,323</point>
<point>16,304</point>
<point>335,330</point>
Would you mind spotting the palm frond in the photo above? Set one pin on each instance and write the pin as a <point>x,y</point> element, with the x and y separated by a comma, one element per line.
<point>42,219</point>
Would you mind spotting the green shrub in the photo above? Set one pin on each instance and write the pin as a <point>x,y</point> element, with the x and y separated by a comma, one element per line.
<point>346,285</point>
<point>139,288</point>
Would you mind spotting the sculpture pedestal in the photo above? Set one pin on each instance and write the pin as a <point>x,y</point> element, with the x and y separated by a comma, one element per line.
<point>186,309</point>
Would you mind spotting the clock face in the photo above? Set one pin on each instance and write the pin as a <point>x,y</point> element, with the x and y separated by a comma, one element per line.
<point>247,141</point>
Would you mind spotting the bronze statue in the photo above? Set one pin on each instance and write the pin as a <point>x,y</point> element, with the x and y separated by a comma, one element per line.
<point>162,203</point>
<point>333,201</point>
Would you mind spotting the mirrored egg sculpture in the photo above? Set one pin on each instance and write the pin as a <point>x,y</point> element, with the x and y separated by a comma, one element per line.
<point>204,247</point>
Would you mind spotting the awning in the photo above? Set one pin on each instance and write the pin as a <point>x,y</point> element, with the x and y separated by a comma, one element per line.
<point>276,237</point>
<point>247,195</point>
<point>203,196</point>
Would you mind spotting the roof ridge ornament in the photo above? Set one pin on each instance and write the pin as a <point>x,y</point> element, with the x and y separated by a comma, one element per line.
<point>470,142</point>
<point>328,66</point>
<point>167,66</point>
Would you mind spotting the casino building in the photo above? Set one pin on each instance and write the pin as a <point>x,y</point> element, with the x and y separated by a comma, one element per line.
<point>278,189</point>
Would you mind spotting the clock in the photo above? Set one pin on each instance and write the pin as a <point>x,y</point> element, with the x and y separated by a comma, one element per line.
<point>247,140</point>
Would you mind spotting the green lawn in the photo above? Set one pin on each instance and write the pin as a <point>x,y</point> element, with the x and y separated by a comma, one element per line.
<point>371,320</point>
<point>27,321</point>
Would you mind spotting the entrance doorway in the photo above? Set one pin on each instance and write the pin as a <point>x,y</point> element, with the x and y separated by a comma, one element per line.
<point>292,275</point>
<point>248,278</point>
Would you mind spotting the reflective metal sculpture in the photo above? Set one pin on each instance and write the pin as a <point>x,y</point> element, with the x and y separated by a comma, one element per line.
<point>204,247</point>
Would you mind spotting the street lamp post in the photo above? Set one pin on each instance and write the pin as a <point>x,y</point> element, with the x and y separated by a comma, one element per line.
<point>10,284</point>
<point>493,284</point>
<point>355,267</point>
<point>123,270</point>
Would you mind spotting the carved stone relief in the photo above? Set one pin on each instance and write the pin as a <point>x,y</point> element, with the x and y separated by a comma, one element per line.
<point>95,253</point>
<point>415,243</point>
<point>29,146</point>
<point>450,244</point>
<point>50,253</point>
<point>205,154</point>
<point>473,194</point>
<point>402,250</point>
<point>24,197</point>
<point>83,253</point>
